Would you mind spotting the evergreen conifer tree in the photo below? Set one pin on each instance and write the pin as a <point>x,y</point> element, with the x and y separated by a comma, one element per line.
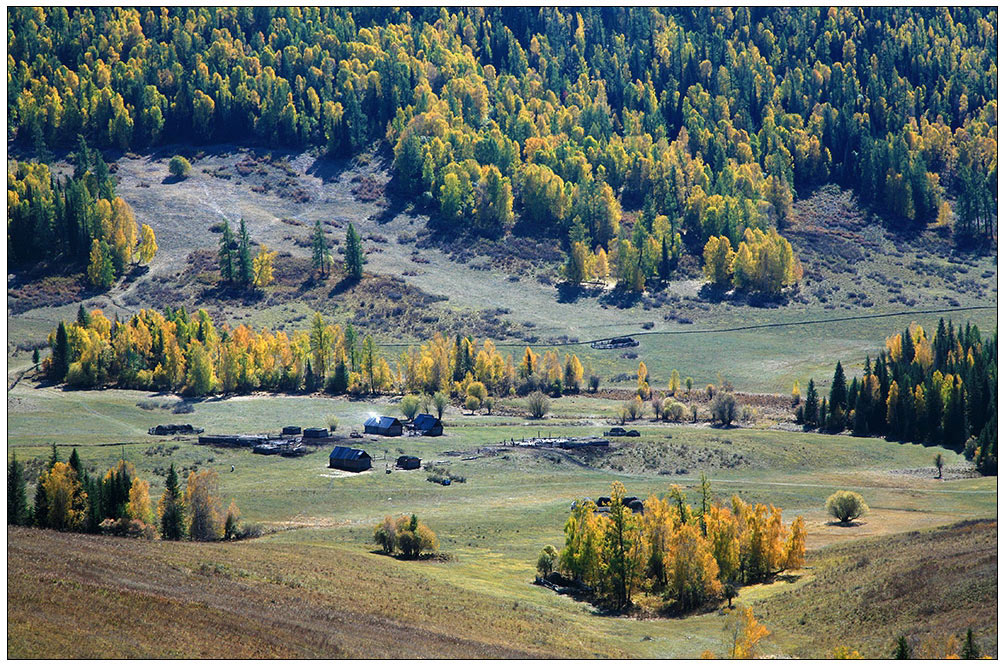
<point>245,271</point>
<point>970,650</point>
<point>310,380</point>
<point>812,405</point>
<point>353,254</point>
<point>83,316</point>
<point>75,462</point>
<point>320,255</point>
<point>225,255</point>
<point>171,509</point>
<point>60,362</point>
<point>838,399</point>
<point>17,496</point>
<point>340,378</point>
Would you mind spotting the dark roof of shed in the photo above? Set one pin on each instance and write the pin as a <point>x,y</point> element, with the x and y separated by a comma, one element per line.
<point>345,453</point>
<point>425,421</point>
<point>382,421</point>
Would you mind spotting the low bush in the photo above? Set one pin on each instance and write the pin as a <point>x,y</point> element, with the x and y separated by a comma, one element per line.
<point>407,535</point>
<point>179,167</point>
<point>846,506</point>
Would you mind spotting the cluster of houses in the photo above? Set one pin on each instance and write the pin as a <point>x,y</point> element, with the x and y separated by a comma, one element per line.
<point>294,440</point>
<point>357,460</point>
<point>426,425</point>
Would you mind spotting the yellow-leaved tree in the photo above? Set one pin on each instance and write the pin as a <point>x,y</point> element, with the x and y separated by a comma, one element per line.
<point>718,256</point>
<point>138,507</point>
<point>262,267</point>
<point>744,633</point>
<point>67,502</point>
<point>202,500</point>
<point>148,244</point>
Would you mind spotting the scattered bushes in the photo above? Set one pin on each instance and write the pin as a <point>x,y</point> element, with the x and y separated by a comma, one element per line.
<point>440,473</point>
<point>538,405</point>
<point>723,408</point>
<point>407,535</point>
<point>546,560</point>
<point>673,410</point>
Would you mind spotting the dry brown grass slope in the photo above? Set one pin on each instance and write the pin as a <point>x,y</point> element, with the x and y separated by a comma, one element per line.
<point>922,585</point>
<point>80,596</point>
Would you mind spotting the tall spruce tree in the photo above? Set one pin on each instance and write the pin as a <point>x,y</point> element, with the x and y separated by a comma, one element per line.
<point>60,362</point>
<point>225,255</point>
<point>664,266</point>
<point>838,399</point>
<point>903,650</point>
<point>17,493</point>
<point>812,404</point>
<point>74,462</point>
<point>353,254</point>
<point>83,316</point>
<point>172,512</point>
<point>970,650</point>
<point>245,270</point>
<point>339,381</point>
<point>320,254</point>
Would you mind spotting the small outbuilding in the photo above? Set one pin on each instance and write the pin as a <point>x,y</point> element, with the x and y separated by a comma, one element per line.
<point>351,460</point>
<point>383,425</point>
<point>315,433</point>
<point>428,425</point>
<point>291,430</point>
<point>408,462</point>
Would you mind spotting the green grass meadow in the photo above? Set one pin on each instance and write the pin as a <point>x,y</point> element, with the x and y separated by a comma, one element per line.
<point>513,501</point>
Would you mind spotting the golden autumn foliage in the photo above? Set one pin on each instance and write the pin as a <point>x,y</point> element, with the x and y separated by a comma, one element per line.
<point>67,503</point>
<point>202,502</point>
<point>744,633</point>
<point>174,351</point>
<point>262,267</point>
<point>685,555</point>
<point>719,257</point>
<point>138,507</point>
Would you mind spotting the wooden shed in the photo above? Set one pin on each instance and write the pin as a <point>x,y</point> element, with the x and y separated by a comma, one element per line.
<point>383,425</point>
<point>408,462</point>
<point>427,424</point>
<point>351,460</point>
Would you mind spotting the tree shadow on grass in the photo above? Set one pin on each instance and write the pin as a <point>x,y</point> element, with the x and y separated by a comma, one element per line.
<point>718,294</point>
<point>569,293</point>
<point>621,299</point>
<point>228,292</point>
<point>424,557</point>
<point>850,523</point>
<point>342,286</point>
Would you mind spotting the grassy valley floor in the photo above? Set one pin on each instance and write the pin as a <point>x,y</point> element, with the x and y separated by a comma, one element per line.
<point>313,587</point>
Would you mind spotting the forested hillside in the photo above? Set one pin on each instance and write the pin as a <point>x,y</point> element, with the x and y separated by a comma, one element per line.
<point>708,121</point>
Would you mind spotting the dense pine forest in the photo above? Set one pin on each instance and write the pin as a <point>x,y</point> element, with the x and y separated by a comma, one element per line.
<point>937,389</point>
<point>552,120</point>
